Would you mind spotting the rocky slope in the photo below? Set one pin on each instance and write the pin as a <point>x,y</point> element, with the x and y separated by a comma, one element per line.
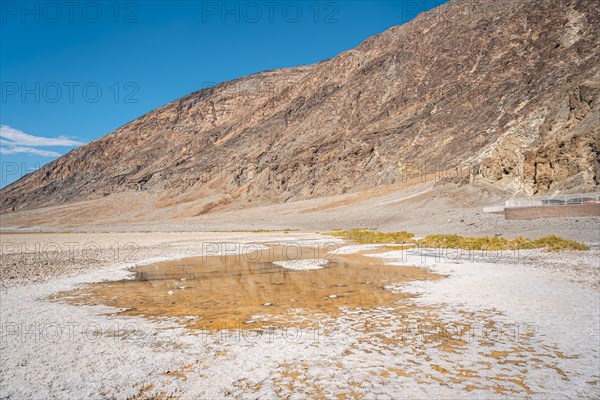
<point>501,92</point>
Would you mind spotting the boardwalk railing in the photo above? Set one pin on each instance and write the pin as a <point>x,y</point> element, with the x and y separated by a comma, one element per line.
<point>556,200</point>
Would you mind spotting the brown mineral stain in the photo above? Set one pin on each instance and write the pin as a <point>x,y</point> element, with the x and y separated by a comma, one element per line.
<point>439,369</point>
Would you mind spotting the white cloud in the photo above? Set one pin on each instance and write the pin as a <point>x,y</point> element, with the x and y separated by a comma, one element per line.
<point>29,150</point>
<point>15,141</point>
<point>11,136</point>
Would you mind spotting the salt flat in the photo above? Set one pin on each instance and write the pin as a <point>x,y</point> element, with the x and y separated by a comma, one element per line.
<point>499,327</point>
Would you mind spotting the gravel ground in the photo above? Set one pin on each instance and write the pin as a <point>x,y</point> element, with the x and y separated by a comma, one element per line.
<point>421,209</point>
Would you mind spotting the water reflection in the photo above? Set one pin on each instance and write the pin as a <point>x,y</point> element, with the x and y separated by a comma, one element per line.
<point>225,291</point>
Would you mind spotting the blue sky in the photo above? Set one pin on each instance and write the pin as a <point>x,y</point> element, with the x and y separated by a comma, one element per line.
<point>72,72</point>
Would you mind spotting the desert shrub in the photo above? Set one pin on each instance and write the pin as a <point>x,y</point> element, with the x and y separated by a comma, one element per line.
<point>453,241</point>
<point>364,236</point>
<point>552,243</point>
<point>460,242</point>
<point>521,243</point>
<point>398,247</point>
<point>556,243</point>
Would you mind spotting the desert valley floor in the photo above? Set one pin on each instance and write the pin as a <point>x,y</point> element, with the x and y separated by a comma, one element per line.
<point>292,314</point>
<point>408,209</point>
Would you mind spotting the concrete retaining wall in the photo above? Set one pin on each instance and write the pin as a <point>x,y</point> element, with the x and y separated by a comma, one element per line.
<point>585,210</point>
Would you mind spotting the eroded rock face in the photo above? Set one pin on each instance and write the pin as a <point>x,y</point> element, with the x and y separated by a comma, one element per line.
<point>508,89</point>
<point>561,155</point>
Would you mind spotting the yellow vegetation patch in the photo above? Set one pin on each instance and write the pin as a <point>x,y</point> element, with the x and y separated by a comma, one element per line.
<point>551,242</point>
<point>452,241</point>
<point>364,236</point>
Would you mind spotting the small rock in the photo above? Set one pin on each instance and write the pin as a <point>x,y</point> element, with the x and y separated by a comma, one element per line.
<point>267,304</point>
<point>332,296</point>
<point>183,279</point>
<point>170,293</point>
<point>182,287</point>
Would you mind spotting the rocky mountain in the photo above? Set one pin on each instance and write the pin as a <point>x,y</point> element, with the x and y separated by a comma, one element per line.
<point>506,92</point>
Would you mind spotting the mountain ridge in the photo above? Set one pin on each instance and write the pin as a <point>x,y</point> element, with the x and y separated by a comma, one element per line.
<point>507,91</point>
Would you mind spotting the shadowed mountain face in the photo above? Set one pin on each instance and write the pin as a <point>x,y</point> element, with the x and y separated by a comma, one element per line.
<point>505,90</point>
